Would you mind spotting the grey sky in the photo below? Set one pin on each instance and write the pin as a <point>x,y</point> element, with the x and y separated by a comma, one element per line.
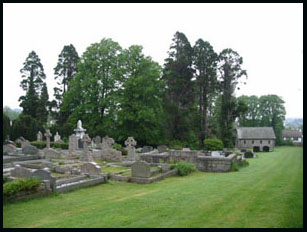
<point>269,37</point>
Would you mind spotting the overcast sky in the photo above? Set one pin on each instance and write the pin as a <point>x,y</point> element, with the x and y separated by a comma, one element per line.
<point>269,37</point>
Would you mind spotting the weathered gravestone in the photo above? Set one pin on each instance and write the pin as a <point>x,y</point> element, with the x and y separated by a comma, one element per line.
<point>97,141</point>
<point>146,149</point>
<point>107,142</point>
<point>85,156</point>
<point>29,149</point>
<point>215,153</point>
<point>57,137</point>
<point>186,149</point>
<point>9,149</point>
<point>39,136</point>
<point>162,148</point>
<point>21,172</point>
<point>48,135</point>
<point>249,154</point>
<point>52,154</point>
<point>44,174</point>
<point>91,168</point>
<point>165,167</point>
<point>23,142</point>
<point>73,143</point>
<point>140,169</point>
<point>130,146</point>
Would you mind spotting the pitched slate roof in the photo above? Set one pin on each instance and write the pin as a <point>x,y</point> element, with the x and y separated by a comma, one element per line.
<point>255,133</point>
<point>291,133</point>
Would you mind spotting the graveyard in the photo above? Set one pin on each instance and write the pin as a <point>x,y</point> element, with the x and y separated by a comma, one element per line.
<point>260,195</point>
<point>91,184</point>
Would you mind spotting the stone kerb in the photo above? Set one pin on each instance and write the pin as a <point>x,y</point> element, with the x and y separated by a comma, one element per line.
<point>140,169</point>
<point>52,154</point>
<point>91,168</point>
<point>29,149</point>
<point>21,172</point>
<point>215,164</point>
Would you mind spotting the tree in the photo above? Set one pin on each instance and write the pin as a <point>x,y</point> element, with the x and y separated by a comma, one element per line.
<point>65,70</point>
<point>252,116</point>
<point>43,103</point>
<point>273,114</point>
<point>26,126</point>
<point>32,82</point>
<point>205,62</point>
<point>6,127</point>
<point>180,98</point>
<point>91,96</point>
<point>140,111</point>
<point>11,113</point>
<point>230,71</point>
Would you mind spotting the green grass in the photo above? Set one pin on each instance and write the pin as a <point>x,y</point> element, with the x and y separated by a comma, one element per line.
<point>267,193</point>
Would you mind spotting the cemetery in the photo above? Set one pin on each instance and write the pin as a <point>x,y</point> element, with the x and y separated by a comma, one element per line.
<point>89,162</point>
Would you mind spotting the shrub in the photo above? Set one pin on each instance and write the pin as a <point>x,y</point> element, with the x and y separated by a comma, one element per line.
<point>5,179</point>
<point>235,166</point>
<point>184,168</point>
<point>213,144</point>
<point>18,185</point>
<point>59,145</point>
<point>124,151</point>
<point>61,163</point>
<point>117,146</point>
<point>18,144</point>
<point>39,144</point>
<point>287,142</point>
<point>176,144</point>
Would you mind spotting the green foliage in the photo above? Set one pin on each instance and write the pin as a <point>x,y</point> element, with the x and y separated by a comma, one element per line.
<point>61,163</point>
<point>39,144</point>
<point>287,142</point>
<point>177,144</point>
<point>235,166</point>
<point>230,71</point>
<point>18,185</point>
<point>5,179</point>
<point>213,144</point>
<point>6,128</point>
<point>59,145</point>
<point>117,146</point>
<point>26,126</point>
<point>184,168</point>
<point>266,111</point>
<point>43,103</point>
<point>18,144</point>
<point>124,151</point>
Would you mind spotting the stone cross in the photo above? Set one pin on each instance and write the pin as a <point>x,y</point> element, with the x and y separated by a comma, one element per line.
<point>48,135</point>
<point>130,144</point>
<point>86,140</point>
<point>39,136</point>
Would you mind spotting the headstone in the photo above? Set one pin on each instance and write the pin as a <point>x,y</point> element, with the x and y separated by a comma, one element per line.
<point>91,168</point>
<point>44,174</point>
<point>60,141</point>
<point>29,149</point>
<point>162,148</point>
<point>130,146</point>
<point>165,167</point>
<point>21,172</point>
<point>107,142</point>
<point>85,156</point>
<point>97,140</point>
<point>80,131</point>
<point>52,154</point>
<point>39,136</point>
<point>73,143</point>
<point>146,149</point>
<point>140,169</point>
<point>186,149</point>
<point>9,149</point>
<point>48,135</point>
<point>57,137</point>
<point>249,154</point>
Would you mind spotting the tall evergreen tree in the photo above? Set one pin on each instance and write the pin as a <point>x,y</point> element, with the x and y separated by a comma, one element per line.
<point>43,103</point>
<point>205,63</point>
<point>6,127</point>
<point>65,70</point>
<point>230,72</point>
<point>180,99</point>
<point>32,82</point>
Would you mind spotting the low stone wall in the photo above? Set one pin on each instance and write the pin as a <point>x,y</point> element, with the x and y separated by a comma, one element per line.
<point>80,184</point>
<point>20,158</point>
<point>153,179</point>
<point>70,180</point>
<point>214,164</point>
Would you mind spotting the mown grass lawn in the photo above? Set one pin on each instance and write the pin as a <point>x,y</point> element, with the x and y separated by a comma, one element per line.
<point>267,193</point>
